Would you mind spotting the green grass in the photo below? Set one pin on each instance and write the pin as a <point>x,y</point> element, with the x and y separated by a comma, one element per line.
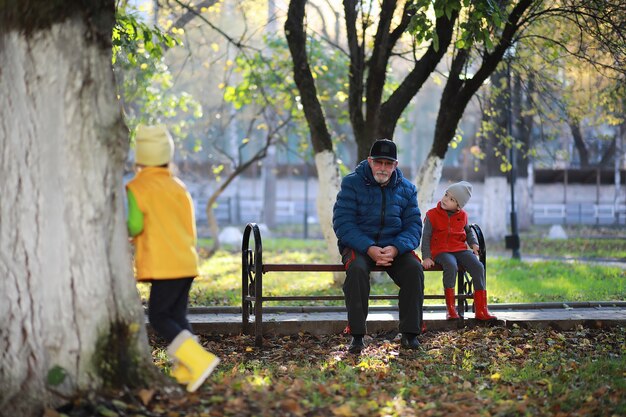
<point>511,281</point>
<point>508,281</point>
<point>583,242</point>
<point>569,248</point>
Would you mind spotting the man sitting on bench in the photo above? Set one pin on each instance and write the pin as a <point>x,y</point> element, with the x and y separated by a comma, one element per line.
<point>377,222</point>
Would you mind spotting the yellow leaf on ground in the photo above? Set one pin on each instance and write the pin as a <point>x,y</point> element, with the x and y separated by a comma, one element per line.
<point>146,395</point>
<point>343,411</point>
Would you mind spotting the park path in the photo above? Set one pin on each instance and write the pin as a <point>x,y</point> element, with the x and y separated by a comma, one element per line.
<point>325,320</point>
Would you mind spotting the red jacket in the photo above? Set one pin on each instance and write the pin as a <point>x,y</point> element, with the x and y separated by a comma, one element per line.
<point>448,232</point>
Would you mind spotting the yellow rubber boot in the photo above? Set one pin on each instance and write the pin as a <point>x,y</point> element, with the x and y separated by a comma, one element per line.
<point>192,355</point>
<point>181,373</point>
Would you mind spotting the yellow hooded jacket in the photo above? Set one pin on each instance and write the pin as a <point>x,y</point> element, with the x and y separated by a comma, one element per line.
<point>166,248</point>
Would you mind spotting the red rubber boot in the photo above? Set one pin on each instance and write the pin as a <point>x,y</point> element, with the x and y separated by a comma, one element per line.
<point>451,313</point>
<point>480,306</point>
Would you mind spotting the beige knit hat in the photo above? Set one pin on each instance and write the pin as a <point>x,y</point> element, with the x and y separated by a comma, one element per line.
<point>153,145</point>
<point>461,191</point>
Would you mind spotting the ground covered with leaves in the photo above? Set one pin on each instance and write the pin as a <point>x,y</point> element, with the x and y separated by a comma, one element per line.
<point>481,371</point>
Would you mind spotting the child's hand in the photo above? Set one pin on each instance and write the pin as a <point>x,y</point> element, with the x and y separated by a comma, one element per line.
<point>428,263</point>
<point>475,249</point>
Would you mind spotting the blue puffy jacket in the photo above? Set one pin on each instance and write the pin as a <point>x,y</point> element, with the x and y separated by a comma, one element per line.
<point>367,214</point>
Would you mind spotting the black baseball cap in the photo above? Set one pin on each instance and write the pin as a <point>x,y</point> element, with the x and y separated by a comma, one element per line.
<point>384,149</point>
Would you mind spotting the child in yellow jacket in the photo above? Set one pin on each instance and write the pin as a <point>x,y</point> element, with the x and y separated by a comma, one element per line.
<point>161,221</point>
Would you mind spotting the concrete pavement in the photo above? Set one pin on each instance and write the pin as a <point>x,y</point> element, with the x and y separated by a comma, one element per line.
<point>329,320</point>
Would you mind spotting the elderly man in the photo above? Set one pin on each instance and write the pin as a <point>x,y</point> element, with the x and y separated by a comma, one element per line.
<point>377,222</point>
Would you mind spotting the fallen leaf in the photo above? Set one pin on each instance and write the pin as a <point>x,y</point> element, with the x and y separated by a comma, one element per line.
<point>145,395</point>
<point>291,406</point>
<point>343,411</point>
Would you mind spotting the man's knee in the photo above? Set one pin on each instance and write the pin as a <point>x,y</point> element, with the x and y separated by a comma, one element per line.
<point>413,275</point>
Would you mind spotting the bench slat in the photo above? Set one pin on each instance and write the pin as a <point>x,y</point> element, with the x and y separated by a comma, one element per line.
<point>341,297</point>
<point>320,268</point>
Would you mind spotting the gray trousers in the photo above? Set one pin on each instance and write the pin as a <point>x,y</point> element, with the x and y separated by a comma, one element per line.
<point>407,273</point>
<point>466,258</point>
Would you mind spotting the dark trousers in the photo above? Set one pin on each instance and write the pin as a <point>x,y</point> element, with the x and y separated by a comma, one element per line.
<point>407,273</point>
<point>167,307</point>
<point>449,262</point>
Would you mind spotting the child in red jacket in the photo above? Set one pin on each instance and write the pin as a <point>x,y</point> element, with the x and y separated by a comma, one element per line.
<point>445,239</point>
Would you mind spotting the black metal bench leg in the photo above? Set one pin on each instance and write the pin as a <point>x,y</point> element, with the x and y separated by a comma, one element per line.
<point>460,291</point>
<point>258,311</point>
<point>258,324</point>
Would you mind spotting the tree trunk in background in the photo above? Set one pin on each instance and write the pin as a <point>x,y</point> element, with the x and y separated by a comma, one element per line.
<point>579,142</point>
<point>328,175</point>
<point>523,133</point>
<point>371,116</point>
<point>617,164</point>
<point>495,198</point>
<point>72,321</point>
<point>268,177</point>
<point>496,190</point>
<point>329,184</point>
<point>427,180</point>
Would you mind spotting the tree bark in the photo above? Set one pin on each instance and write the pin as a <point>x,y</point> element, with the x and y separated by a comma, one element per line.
<point>524,127</point>
<point>579,143</point>
<point>72,319</point>
<point>325,160</point>
<point>296,38</point>
<point>426,181</point>
<point>329,180</point>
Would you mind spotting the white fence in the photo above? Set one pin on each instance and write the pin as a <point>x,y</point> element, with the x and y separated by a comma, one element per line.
<point>579,213</point>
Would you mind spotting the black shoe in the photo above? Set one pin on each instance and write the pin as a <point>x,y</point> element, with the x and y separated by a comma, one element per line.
<point>357,344</point>
<point>409,341</point>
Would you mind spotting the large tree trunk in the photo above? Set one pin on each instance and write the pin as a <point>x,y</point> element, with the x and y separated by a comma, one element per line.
<point>71,317</point>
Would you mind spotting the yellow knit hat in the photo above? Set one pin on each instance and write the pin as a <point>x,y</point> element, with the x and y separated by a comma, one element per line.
<point>153,145</point>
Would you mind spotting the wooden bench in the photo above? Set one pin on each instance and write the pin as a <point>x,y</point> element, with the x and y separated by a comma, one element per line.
<point>253,268</point>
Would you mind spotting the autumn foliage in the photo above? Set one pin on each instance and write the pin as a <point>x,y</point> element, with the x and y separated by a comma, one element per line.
<point>474,371</point>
